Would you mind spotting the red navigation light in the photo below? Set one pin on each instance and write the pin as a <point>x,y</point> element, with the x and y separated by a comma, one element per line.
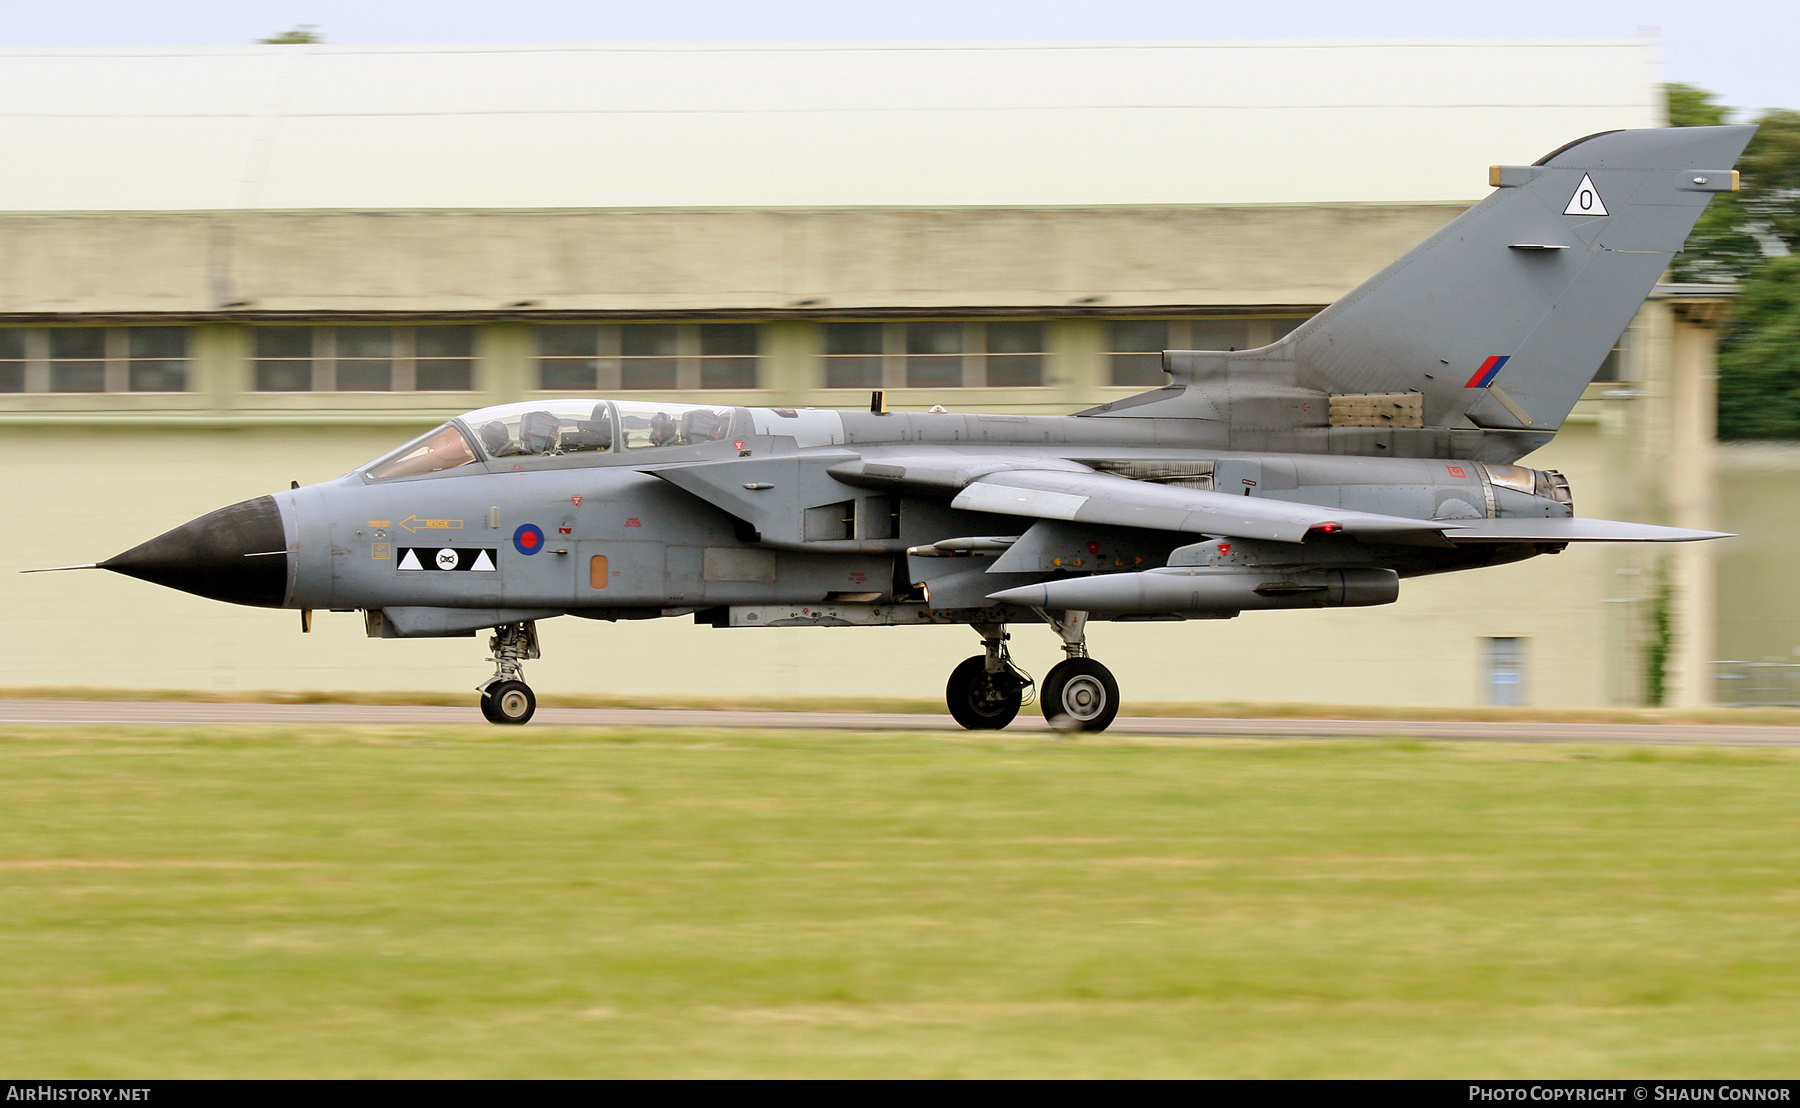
<point>1326,528</point>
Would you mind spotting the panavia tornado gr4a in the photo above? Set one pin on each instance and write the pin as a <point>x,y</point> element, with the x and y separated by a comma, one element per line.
<point>1378,441</point>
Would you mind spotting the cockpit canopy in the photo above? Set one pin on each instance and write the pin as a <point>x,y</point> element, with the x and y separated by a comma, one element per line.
<point>553,428</point>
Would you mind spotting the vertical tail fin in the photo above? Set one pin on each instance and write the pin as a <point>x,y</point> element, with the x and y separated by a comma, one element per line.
<point>1505,315</point>
<point>1500,319</point>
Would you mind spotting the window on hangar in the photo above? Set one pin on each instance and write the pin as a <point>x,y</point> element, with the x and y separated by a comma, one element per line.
<point>1134,346</point>
<point>941,354</point>
<point>365,358</point>
<point>93,359</point>
<point>625,357</point>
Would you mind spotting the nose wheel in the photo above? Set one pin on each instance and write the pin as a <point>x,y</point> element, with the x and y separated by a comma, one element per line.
<point>505,697</point>
<point>508,702</point>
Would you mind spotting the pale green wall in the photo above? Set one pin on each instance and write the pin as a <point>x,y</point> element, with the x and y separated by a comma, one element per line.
<point>77,495</point>
<point>681,260</point>
<point>91,475</point>
<point>1759,587</point>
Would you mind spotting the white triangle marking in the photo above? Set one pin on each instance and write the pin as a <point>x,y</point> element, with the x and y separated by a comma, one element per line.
<point>482,563</point>
<point>411,561</point>
<point>1586,200</point>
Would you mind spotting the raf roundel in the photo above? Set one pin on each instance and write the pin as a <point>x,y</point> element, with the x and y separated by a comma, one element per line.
<point>528,539</point>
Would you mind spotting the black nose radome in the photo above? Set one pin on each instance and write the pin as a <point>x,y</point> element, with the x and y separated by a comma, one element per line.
<point>237,554</point>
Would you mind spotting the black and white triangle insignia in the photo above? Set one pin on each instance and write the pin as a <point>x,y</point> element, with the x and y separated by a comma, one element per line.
<point>1586,200</point>
<point>447,559</point>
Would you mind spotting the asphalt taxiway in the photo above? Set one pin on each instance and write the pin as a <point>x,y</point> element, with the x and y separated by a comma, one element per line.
<point>177,713</point>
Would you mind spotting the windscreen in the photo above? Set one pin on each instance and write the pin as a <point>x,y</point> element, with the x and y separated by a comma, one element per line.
<point>444,448</point>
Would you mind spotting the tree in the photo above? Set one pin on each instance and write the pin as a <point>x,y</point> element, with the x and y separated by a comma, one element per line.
<point>1739,230</point>
<point>1744,239</point>
<point>1723,248</point>
<point>1771,169</point>
<point>298,35</point>
<point>1759,356</point>
<point>1689,106</point>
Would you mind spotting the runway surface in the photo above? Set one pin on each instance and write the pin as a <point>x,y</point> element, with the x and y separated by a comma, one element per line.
<point>153,713</point>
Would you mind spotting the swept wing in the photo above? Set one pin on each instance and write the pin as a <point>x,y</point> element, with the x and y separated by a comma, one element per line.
<point>1102,498</point>
<point>1083,496</point>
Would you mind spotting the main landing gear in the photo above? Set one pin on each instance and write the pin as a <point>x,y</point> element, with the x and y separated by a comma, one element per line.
<point>1078,694</point>
<point>986,692</point>
<point>505,697</point>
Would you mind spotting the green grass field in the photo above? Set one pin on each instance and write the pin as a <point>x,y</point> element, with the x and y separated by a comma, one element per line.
<point>421,901</point>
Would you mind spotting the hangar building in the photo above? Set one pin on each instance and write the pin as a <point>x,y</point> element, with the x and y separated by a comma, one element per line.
<point>223,269</point>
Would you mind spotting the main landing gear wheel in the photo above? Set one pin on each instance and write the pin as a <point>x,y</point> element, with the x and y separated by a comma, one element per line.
<point>986,692</point>
<point>508,702</point>
<point>983,701</point>
<point>1079,694</point>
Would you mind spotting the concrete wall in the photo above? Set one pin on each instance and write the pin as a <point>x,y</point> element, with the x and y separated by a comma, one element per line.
<point>1759,588</point>
<point>235,265</point>
<point>77,495</point>
<point>91,475</point>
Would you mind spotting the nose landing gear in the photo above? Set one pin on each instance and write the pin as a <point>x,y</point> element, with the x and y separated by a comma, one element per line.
<point>505,697</point>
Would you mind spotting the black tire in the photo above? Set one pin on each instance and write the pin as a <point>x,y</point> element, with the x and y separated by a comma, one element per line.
<point>1079,694</point>
<point>508,702</point>
<point>979,702</point>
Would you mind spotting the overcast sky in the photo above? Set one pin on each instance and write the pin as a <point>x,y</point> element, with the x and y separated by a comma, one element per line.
<point>1744,49</point>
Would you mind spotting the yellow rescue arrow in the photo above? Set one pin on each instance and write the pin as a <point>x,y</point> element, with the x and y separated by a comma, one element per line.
<point>414,523</point>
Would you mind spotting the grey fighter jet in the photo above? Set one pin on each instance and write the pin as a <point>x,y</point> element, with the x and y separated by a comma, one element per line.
<point>1376,442</point>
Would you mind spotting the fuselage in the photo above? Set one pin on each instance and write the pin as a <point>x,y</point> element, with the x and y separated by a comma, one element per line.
<point>594,530</point>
